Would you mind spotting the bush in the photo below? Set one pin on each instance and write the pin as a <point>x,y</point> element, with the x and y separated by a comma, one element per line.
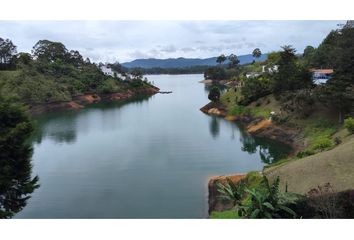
<point>349,124</point>
<point>254,89</point>
<point>321,143</point>
<point>305,153</point>
<point>237,110</point>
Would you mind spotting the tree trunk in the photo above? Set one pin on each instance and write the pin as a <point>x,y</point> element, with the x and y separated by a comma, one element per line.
<point>341,120</point>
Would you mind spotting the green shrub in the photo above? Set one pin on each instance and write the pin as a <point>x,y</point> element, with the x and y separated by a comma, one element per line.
<point>322,143</point>
<point>305,153</point>
<point>237,110</point>
<point>349,124</point>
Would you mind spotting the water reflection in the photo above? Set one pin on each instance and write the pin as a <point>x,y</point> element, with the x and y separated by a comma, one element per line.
<point>214,127</point>
<point>268,150</point>
<point>63,128</point>
<point>16,185</point>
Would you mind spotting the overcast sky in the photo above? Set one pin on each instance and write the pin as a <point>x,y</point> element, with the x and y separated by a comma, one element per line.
<point>110,41</point>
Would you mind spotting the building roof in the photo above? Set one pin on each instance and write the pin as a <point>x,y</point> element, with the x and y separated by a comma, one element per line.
<point>323,71</point>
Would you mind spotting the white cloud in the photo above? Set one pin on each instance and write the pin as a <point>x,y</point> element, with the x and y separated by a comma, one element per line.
<point>127,40</point>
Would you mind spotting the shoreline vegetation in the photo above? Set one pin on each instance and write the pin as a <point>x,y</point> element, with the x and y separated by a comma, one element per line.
<point>53,78</point>
<point>278,99</point>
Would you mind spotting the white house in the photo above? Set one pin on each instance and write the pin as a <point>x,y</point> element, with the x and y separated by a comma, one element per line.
<point>321,76</point>
<point>107,70</point>
<point>252,74</point>
<point>110,72</point>
<point>272,69</point>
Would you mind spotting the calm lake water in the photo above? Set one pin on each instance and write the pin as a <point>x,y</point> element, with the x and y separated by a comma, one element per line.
<point>147,158</point>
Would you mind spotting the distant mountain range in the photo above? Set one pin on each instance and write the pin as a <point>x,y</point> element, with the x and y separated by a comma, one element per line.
<point>185,62</point>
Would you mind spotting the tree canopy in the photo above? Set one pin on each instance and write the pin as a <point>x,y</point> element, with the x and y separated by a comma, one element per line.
<point>16,183</point>
<point>256,53</point>
<point>7,52</point>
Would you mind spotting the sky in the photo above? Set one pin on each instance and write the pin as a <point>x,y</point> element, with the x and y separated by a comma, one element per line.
<point>111,41</point>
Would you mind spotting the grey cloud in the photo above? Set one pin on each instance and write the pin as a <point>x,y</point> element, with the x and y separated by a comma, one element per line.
<point>168,49</point>
<point>127,40</point>
<point>188,49</point>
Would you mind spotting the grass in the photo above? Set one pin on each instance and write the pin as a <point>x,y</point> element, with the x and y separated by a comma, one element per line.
<point>260,112</point>
<point>230,214</point>
<point>335,166</point>
<point>319,135</point>
<point>230,97</point>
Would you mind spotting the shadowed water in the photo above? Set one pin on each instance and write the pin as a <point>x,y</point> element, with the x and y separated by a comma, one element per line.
<point>146,158</point>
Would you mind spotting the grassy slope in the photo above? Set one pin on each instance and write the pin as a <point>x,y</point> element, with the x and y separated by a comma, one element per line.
<point>335,166</point>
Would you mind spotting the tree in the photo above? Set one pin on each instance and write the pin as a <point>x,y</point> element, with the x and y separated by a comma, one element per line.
<point>233,61</point>
<point>221,59</point>
<point>339,90</point>
<point>308,55</point>
<point>215,73</point>
<point>75,58</point>
<point>7,51</point>
<point>24,58</point>
<point>45,50</point>
<point>290,75</point>
<point>117,67</point>
<point>256,53</point>
<point>16,182</point>
<point>137,74</point>
<point>214,94</point>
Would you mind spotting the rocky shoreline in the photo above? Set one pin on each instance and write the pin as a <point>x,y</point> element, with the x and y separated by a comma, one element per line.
<point>260,127</point>
<point>79,102</point>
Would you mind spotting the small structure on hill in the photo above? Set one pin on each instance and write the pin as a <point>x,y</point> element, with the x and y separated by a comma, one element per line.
<point>107,70</point>
<point>321,76</point>
<point>271,69</point>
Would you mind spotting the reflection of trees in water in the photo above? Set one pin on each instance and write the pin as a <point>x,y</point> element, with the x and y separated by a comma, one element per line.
<point>268,150</point>
<point>214,127</point>
<point>62,126</point>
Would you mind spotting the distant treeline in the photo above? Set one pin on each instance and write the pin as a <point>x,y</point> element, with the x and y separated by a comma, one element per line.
<point>158,70</point>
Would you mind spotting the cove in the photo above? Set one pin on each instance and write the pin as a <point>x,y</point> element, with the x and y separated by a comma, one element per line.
<point>149,157</point>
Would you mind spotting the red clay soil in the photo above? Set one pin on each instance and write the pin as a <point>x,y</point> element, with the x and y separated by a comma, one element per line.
<point>79,102</point>
<point>215,202</point>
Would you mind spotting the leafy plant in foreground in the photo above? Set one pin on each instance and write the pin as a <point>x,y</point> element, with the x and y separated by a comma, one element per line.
<point>231,191</point>
<point>267,201</point>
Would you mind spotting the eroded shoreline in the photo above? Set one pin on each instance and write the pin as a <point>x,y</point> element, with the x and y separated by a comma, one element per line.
<point>79,102</point>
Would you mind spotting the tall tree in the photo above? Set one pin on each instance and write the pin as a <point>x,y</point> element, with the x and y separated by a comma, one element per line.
<point>233,61</point>
<point>308,55</point>
<point>48,51</point>
<point>256,53</point>
<point>290,75</point>
<point>221,59</point>
<point>7,52</point>
<point>339,91</point>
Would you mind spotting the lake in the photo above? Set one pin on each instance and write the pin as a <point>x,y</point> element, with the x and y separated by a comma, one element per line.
<point>144,158</point>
